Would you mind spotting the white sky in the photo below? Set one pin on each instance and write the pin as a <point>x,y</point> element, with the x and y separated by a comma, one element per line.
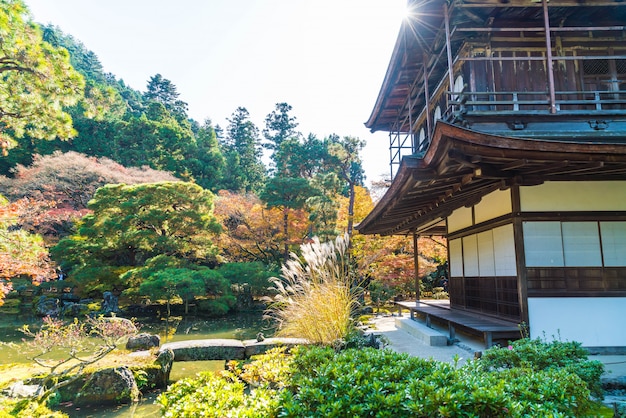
<point>326,58</point>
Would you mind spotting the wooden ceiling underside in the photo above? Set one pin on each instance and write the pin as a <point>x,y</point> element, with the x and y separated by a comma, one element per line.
<point>461,166</point>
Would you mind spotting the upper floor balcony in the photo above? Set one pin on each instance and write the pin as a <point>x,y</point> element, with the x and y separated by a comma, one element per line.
<point>550,70</point>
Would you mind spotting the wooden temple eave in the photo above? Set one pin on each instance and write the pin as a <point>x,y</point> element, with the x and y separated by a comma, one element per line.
<point>448,27</point>
<point>461,166</point>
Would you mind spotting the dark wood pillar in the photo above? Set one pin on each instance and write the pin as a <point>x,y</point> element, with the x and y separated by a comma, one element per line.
<point>446,15</point>
<point>417,266</point>
<point>549,59</point>
<point>520,257</point>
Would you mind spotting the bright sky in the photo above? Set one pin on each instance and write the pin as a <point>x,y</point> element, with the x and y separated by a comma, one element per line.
<point>326,58</point>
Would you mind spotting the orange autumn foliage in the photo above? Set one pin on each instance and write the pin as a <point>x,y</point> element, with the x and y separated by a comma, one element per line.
<point>252,231</point>
<point>21,253</point>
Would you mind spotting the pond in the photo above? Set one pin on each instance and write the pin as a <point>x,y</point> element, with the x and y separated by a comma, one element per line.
<point>242,326</point>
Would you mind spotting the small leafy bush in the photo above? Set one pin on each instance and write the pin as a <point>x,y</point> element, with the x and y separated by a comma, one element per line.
<point>216,307</point>
<point>213,395</point>
<point>245,390</point>
<point>536,355</point>
<point>383,383</point>
<point>26,408</point>
<point>319,381</point>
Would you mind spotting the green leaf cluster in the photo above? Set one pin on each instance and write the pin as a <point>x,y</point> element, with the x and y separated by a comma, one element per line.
<point>318,381</point>
<point>210,395</point>
<point>37,81</point>
<point>539,355</point>
<point>132,226</point>
<point>253,276</point>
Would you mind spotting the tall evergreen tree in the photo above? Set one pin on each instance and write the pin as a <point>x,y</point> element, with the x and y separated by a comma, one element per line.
<point>163,91</point>
<point>205,160</point>
<point>245,171</point>
<point>37,83</point>
<point>280,126</point>
<point>346,155</point>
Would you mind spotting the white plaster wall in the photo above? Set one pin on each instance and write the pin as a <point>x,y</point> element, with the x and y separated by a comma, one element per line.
<point>595,322</point>
<point>459,219</point>
<point>574,196</point>
<point>494,204</point>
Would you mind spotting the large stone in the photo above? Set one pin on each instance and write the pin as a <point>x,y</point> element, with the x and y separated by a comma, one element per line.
<point>211,349</point>
<point>165,360</point>
<point>46,306</point>
<point>109,387</point>
<point>75,310</point>
<point>143,341</point>
<point>21,390</point>
<point>110,303</point>
<point>254,347</point>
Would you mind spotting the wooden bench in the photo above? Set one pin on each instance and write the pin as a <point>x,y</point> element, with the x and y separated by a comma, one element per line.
<point>487,327</point>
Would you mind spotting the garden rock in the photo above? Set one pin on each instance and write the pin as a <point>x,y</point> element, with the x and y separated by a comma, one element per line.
<point>110,303</point>
<point>21,390</point>
<point>143,341</point>
<point>210,349</point>
<point>165,360</point>
<point>109,387</point>
<point>46,306</point>
<point>72,309</point>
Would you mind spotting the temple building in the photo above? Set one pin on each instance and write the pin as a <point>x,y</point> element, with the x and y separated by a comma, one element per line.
<point>507,128</point>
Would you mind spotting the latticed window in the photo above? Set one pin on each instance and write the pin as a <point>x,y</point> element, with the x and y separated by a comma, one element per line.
<point>595,67</point>
<point>604,75</point>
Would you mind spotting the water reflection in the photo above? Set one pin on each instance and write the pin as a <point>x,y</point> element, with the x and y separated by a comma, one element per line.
<point>240,326</point>
<point>144,408</point>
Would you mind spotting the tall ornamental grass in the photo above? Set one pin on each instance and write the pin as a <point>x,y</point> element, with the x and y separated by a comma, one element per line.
<point>314,295</point>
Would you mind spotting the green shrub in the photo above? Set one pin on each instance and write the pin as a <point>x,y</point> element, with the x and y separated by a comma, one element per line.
<point>248,390</point>
<point>10,306</point>
<point>216,307</point>
<point>536,354</point>
<point>367,382</point>
<point>318,381</point>
<point>253,274</point>
<point>26,408</point>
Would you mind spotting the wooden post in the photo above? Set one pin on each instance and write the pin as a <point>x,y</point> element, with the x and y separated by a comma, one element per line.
<point>417,267</point>
<point>427,97</point>
<point>409,104</point>
<point>449,50</point>
<point>546,19</point>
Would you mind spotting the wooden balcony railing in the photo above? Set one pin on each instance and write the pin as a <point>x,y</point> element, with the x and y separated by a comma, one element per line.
<point>567,102</point>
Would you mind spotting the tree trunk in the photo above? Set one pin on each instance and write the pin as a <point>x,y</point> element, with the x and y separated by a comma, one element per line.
<point>351,210</point>
<point>167,320</point>
<point>286,231</point>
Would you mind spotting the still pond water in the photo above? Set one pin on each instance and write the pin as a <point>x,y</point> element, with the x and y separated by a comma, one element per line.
<point>241,327</point>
